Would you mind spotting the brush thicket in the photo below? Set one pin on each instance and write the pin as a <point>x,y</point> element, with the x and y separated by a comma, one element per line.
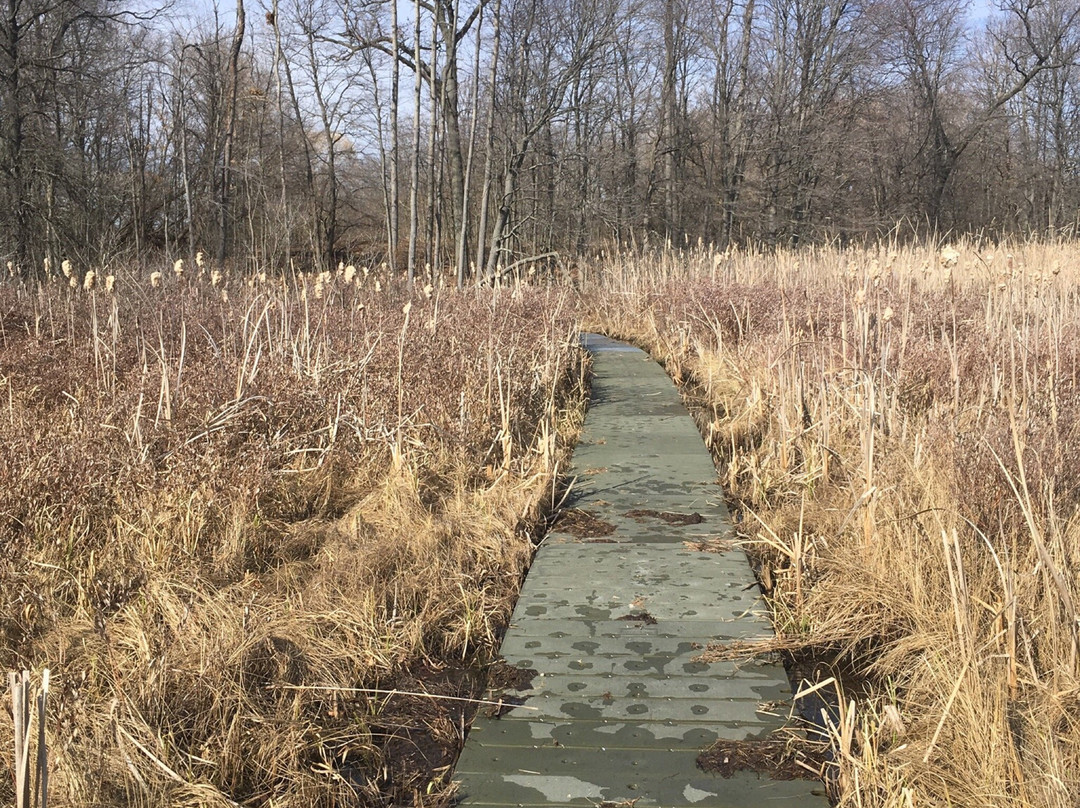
<point>235,512</point>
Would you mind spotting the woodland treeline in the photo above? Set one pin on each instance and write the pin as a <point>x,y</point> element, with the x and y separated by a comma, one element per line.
<point>470,134</point>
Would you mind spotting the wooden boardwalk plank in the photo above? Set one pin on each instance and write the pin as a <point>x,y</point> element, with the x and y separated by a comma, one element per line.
<point>613,616</point>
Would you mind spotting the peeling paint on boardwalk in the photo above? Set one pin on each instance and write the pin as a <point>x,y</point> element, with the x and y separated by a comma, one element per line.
<point>613,613</point>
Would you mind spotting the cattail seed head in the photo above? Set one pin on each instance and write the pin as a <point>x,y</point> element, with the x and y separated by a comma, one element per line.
<point>155,279</point>
<point>73,283</point>
<point>89,281</point>
<point>949,256</point>
<point>200,259</point>
<point>320,284</point>
<point>860,297</point>
<point>350,273</point>
<point>178,267</point>
<point>887,315</point>
<point>65,267</point>
<point>110,283</point>
<point>11,268</point>
<point>428,289</point>
<point>215,278</point>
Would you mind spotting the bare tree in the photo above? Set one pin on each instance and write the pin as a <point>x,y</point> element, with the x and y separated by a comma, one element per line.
<point>925,44</point>
<point>547,48</point>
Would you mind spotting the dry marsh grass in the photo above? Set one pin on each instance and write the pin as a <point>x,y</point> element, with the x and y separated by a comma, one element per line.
<point>898,429</point>
<point>237,515</point>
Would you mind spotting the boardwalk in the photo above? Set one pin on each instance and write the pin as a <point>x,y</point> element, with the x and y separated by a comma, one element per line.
<point>614,611</point>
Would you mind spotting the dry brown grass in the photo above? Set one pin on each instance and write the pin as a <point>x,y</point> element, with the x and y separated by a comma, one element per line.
<point>233,513</point>
<point>898,430</point>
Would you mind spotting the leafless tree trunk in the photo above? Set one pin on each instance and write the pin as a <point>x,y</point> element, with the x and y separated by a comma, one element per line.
<point>489,146</point>
<point>414,178</point>
<point>461,251</point>
<point>224,211</point>
<point>394,213</point>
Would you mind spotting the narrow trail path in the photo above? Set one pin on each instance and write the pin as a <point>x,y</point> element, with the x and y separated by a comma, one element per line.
<point>614,610</point>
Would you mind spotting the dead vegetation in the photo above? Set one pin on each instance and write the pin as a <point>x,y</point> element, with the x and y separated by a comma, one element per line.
<point>258,531</point>
<point>897,428</point>
<point>265,534</point>
<point>776,758</point>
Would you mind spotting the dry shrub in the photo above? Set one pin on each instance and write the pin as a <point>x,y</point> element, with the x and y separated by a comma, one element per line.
<point>231,514</point>
<point>897,428</point>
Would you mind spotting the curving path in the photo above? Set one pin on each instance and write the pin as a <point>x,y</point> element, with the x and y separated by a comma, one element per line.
<point>614,610</point>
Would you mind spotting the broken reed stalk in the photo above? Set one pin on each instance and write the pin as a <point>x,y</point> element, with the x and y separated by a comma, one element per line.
<point>375,691</point>
<point>29,791</point>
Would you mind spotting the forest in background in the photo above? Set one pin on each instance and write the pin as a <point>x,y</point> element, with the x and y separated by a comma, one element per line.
<point>466,135</point>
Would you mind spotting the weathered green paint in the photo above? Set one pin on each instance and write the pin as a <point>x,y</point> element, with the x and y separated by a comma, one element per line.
<point>613,624</point>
